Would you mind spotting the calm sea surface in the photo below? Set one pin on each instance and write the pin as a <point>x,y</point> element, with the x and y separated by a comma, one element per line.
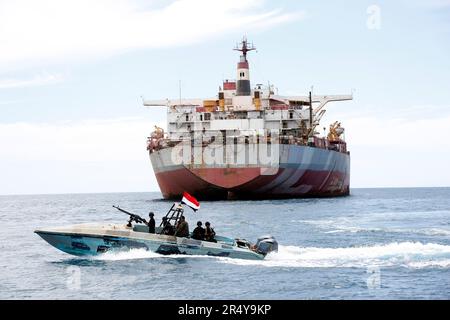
<point>374,244</point>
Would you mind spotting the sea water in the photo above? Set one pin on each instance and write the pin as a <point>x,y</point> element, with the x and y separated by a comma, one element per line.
<point>374,244</point>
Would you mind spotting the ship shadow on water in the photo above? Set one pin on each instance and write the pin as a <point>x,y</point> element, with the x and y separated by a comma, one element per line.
<point>160,200</point>
<point>250,199</point>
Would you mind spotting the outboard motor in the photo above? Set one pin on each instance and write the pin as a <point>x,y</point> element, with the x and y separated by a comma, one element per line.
<point>266,244</point>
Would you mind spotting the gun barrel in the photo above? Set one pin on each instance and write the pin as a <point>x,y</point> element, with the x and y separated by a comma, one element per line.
<point>124,211</point>
<point>133,216</point>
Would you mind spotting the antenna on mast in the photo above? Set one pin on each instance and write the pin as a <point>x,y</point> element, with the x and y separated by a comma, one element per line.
<point>243,70</point>
<point>244,47</point>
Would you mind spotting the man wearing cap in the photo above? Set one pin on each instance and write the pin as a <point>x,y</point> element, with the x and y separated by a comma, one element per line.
<point>151,223</point>
<point>209,233</point>
<point>199,232</point>
<point>182,228</point>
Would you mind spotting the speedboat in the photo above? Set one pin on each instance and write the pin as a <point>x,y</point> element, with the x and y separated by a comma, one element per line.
<point>95,239</point>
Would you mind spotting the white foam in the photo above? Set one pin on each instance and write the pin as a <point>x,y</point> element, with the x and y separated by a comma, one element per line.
<point>134,254</point>
<point>131,254</point>
<point>342,225</point>
<point>436,232</point>
<point>409,254</point>
<point>428,264</point>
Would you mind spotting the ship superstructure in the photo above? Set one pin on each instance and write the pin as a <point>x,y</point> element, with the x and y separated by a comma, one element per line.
<point>249,143</point>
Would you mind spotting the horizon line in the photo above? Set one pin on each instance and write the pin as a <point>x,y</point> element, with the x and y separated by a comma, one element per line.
<point>118,192</point>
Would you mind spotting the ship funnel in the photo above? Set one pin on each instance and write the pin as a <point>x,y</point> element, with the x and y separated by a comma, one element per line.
<point>243,74</point>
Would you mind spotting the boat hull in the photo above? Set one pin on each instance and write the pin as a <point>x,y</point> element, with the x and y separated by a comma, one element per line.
<point>302,172</point>
<point>95,240</point>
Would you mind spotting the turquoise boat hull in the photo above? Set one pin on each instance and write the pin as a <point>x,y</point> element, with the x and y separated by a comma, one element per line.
<point>91,240</point>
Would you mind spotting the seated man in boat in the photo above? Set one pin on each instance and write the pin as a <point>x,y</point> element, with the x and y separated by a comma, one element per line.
<point>199,232</point>
<point>167,227</point>
<point>209,233</point>
<point>182,228</point>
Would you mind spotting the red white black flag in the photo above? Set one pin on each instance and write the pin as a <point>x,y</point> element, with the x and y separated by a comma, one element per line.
<point>190,201</point>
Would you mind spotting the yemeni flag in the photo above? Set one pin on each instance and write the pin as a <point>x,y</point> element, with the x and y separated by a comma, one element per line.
<point>190,201</point>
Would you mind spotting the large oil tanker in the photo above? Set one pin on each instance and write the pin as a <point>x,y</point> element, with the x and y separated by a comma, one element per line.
<point>249,144</point>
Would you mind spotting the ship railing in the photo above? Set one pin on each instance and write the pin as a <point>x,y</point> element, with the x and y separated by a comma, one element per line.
<point>321,143</point>
<point>334,145</point>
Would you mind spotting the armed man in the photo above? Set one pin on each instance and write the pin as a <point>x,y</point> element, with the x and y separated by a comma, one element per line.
<point>151,223</point>
<point>209,233</point>
<point>182,228</point>
<point>167,227</point>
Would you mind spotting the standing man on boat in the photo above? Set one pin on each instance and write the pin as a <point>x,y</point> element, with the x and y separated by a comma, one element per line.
<point>182,228</point>
<point>151,223</point>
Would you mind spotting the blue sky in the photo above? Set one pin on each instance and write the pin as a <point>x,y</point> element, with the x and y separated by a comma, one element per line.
<point>72,74</point>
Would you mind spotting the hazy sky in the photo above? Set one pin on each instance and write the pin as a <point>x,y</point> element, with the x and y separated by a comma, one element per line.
<point>72,74</point>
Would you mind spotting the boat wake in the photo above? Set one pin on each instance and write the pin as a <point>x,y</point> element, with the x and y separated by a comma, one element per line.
<point>377,223</point>
<point>424,231</point>
<point>134,254</point>
<point>414,255</point>
<point>405,254</point>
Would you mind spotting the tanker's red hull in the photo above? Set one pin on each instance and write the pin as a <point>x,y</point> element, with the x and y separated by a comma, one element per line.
<point>305,172</point>
<point>174,183</point>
